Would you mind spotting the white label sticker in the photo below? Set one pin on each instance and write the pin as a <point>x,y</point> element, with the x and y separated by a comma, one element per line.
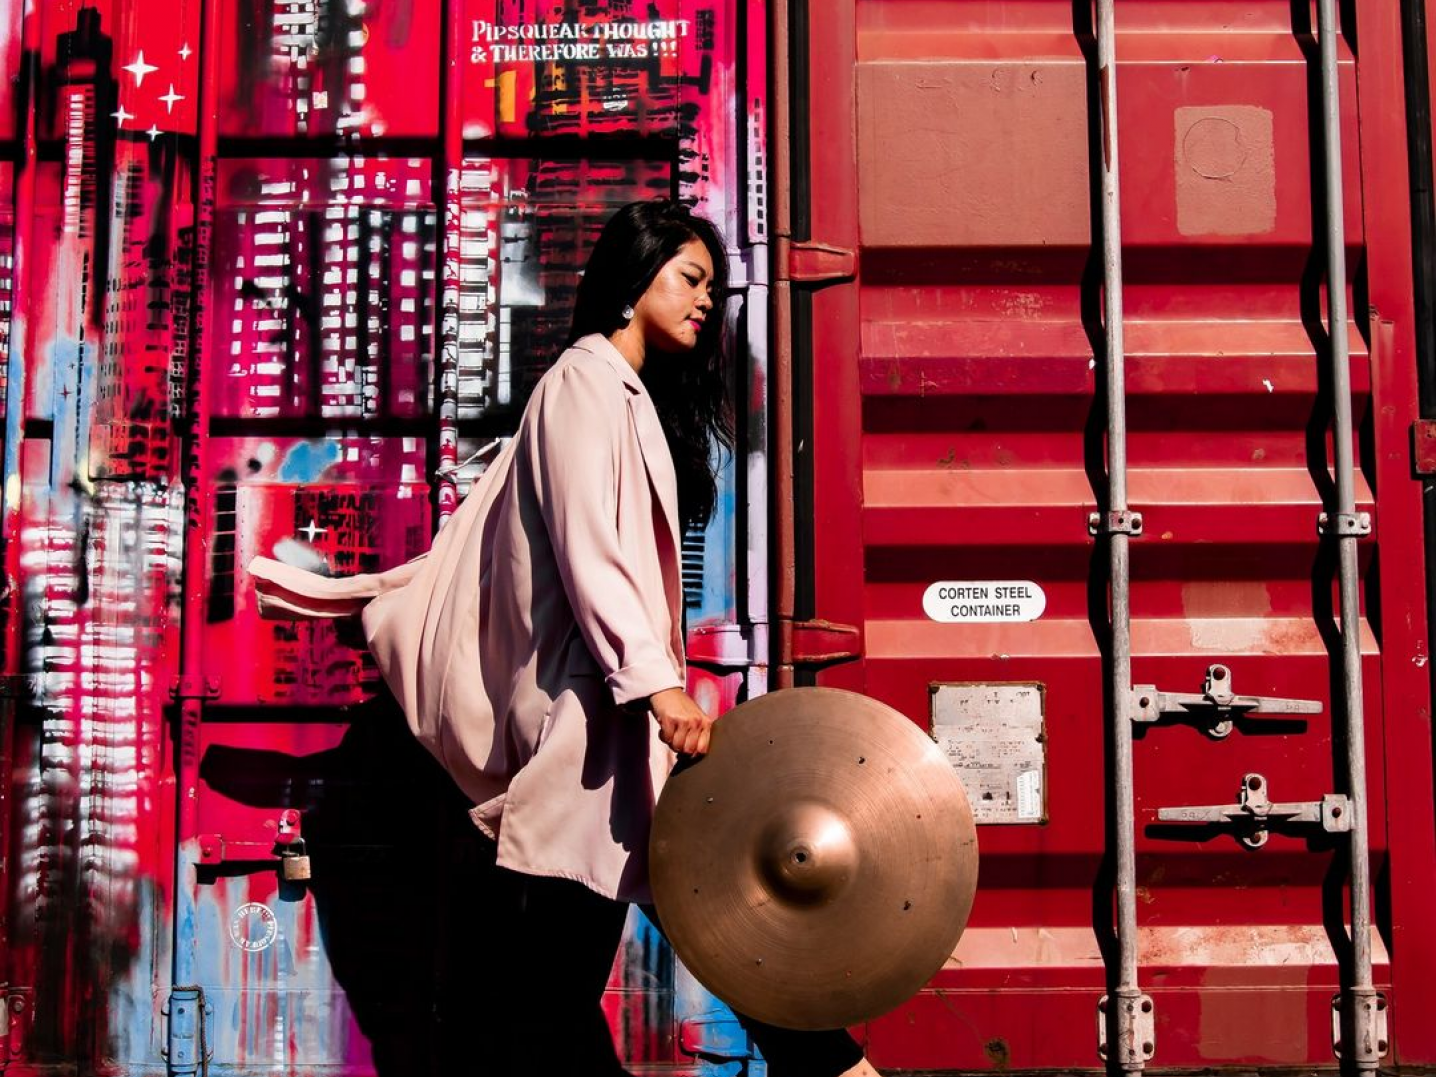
<point>969,601</point>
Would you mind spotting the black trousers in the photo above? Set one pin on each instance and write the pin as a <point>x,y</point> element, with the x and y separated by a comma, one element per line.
<point>556,943</point>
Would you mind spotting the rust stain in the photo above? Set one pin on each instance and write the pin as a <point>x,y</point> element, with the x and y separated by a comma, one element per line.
<point>1144,895</point>
<point>997,1053</point>
<point>946,461</point>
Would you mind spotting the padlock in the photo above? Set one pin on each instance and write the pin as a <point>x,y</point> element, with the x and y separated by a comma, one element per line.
<point>294,863</point>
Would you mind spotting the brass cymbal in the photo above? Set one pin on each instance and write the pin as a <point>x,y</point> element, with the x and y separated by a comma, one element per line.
<point>818,866</point>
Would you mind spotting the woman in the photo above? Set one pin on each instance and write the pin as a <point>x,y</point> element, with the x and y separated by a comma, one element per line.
<point>537,650</point>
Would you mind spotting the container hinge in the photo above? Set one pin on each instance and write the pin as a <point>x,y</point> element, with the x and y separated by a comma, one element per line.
<point>1254,815</point>
<point>1365,1031</point>
<point>821,263</point>
<point>1131,1019</point>
<point>1347,524</point>
<point>194,688</point>
<point>12,1024</point>
<point>728,646</point>
<point>1423,446</point>
<point>1114,523</point>
<point>187,1052</point>
<point>1217,705</point>
<point>821,643</point>
<point>715,1036</point>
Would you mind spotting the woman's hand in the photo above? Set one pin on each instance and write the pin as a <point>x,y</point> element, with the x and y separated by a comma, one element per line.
<point>682,724</point>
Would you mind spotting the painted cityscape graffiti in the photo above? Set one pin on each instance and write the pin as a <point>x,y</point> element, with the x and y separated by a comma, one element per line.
<point>273,273</point>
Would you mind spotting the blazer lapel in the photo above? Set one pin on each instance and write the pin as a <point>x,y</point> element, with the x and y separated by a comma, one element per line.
<point>651,440</point>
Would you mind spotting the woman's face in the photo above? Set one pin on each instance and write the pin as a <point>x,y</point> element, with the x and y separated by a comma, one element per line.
<point>672,311</point>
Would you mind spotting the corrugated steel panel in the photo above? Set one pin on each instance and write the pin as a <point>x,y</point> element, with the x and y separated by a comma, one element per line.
<point>296,260</point>
<point>952,148</point>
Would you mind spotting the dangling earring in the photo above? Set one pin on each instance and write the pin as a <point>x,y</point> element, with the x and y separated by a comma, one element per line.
<point>628,313</point>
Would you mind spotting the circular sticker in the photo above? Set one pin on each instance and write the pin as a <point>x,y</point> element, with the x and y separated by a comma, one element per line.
<point>253,927</point>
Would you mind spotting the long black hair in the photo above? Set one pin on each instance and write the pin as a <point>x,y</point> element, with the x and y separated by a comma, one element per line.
<point>690,392</point>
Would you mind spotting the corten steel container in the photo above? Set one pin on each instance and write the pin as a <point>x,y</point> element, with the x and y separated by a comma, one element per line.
<point>1036,407</point>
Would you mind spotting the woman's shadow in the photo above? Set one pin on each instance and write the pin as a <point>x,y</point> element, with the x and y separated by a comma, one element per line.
<point>399,879</point>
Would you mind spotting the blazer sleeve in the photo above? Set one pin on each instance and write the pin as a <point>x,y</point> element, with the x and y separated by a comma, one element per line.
<point>579,425</point>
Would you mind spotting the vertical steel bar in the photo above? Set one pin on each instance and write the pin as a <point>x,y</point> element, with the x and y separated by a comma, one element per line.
<point>192,689</point>
<point>451,170</point>
<point>784,579</point>
<point>1362,995</point>
<point>1128,1053</point>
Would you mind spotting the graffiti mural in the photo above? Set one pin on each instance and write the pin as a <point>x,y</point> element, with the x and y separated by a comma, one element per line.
<point>275,278</point>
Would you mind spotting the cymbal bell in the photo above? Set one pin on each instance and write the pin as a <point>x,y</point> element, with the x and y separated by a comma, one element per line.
<point>818,866</point>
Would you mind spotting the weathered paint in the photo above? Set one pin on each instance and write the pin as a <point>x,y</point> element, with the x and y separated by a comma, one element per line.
<point>349,258</point>
<point>956,432</point>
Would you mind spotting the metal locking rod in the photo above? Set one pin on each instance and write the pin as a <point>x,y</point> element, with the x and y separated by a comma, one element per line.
<point>1362,1025</point>
<point>1217,706</point>
<point>1255,814</point>
<point>1130,1013</point>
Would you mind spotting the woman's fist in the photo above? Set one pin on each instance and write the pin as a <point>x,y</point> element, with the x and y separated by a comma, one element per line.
<point>682,724</point>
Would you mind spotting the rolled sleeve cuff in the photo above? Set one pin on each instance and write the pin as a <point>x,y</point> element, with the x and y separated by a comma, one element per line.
<point>641,680</point>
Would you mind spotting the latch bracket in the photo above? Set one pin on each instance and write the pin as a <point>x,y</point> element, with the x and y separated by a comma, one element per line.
<point>728,646</point>
<point>1255,815</point>
<point>1132,1018</point>
<point>1217,705</point>
<point>820,643</point>
<point>1347,524</point>
<point>1364,1039</point>
<point>715,1036</point>
<point>811,262</point>
<point>1114,523</point>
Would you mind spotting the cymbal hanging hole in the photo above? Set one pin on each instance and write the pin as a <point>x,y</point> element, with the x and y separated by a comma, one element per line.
<point>906,905</point>
<point>801,858</point>
<point>862,759</point>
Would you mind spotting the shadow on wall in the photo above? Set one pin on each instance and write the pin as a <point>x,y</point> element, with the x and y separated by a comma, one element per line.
<point>402,884</point>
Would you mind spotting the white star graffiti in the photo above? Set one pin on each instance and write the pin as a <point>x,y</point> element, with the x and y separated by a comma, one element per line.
<point>313,530</point>
<point>140,69</point>
<point>185,51</point>
<point>122,115</point>
<point>170,98</point>
<point>152,132</point>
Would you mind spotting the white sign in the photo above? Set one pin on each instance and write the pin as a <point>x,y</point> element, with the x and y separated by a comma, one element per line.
<point>968,601</point>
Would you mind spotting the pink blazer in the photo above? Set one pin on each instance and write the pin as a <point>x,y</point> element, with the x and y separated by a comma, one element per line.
<point>548,600</point>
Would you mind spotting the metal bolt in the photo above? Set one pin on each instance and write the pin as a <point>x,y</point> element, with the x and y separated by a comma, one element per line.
<point>1218,673</point>
<point>1380,1000</point>
<point>1148,1047</point>
<point>1102,1051</point>
<point>1146,1005</point>
<point>1336,812</point>
<point>1102,1006</point>
<point>1254,782</point>
<point>1144,702</point>
<point>1381,1046</point>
